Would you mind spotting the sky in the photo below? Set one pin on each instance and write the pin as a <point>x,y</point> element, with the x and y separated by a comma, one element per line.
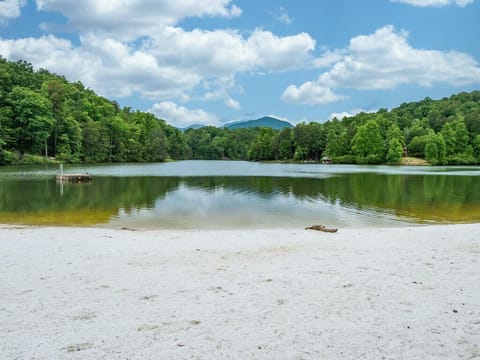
<point>215,61</point>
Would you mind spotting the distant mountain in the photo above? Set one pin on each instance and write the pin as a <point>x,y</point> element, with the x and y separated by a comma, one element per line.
<point>194,126</point>
<point>266,121</point>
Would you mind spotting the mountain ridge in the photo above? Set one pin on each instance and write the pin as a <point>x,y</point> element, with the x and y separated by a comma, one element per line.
<point>266,121</point>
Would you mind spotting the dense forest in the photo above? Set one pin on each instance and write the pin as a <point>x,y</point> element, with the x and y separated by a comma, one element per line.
<point>43,117</point>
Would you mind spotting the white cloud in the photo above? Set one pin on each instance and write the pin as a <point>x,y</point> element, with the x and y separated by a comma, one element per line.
<point>224,52</point>
<point>310,93</point>
<point>10,9</point>
<point>232,103</point>
<point>340,115</point>
<point>181,116</point>
<point>273,53</point>
<point>385,60</point>
<point>220,87</point>
<point>438,3</point>
<point>167,67</point>
<point>130,19</point>
<point>133,47</point>
<point>212,53</point>
<point>343,114</point>
<point>110,67</point>
<point>328,58</point>
<point>281,15</point>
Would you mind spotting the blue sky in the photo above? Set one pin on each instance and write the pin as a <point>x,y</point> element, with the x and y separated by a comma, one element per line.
<point>213,61</point>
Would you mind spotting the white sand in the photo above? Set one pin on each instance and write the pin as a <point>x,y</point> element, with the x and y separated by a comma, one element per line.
<point>89,293</point>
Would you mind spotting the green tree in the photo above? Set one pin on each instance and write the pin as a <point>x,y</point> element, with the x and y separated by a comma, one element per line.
<point>395,151</point>
<point>2,145</point>
<point>337,141</point>
<point>448,133</point>
<point>416,147</point>
<point>418,128</point>
<point>6,82</point>
<point>300,153</point>
<point>285,144</point>
<point>395,144</point>
<point>218,147</point>
<point>262,149</point>
<point>368,143</point>
<point>69,144</point>
<point>476,147</point>
<point>32,120</point>
<point>176,144</point>
<point>55,91</point>
<point>394,132</point>
<point>156,145</point>
<point>95,140</point>
<point>311,138</point>
<point>435,149</point>
<point>457,139</point>
<point>462,137</point>
<point>436,120</point>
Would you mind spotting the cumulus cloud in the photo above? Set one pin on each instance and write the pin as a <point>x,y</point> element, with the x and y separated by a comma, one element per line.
<point>273,53</point>
<point>223,52</point>
<point>10,9</point>
<point>385,60</point>
<point>168,66</point>
<point>232,104</point>
<point>328,58</point>
<point>437,3</point>
<point>310,93</point>
<point>219,88</point>
<point>181,116</point>
<point>130,47</point>
<point>128,20</point>
<point>282,16</point>
<point>344,114</point>
<point>110,67</point>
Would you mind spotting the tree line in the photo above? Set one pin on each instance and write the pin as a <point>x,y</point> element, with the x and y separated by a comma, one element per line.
<point>42,115</point>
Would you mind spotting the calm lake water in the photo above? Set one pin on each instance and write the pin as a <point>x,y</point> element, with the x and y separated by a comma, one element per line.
<point>223,194</point>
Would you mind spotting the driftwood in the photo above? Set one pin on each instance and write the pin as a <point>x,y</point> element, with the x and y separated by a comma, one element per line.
<point>321,228</point>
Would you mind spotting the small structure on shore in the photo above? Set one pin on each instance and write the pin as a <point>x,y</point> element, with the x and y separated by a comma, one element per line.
<point>79,178</point>
<point>326,160</point>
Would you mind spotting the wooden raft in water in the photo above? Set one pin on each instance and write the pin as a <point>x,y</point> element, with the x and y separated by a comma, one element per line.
<point>81,178</point>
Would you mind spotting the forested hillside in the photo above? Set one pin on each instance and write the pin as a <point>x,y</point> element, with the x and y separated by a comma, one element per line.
<point>44,116</point>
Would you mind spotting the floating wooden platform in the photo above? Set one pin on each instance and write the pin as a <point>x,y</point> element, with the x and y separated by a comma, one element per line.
<point>79,178</point>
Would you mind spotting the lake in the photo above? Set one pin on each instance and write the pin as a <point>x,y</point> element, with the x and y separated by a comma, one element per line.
<point>228,194</point>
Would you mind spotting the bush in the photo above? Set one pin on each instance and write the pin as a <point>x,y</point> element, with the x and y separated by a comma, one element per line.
<point>416,148</point>
<point>34,159</point>
<point>461,159</point>
<point>9,158</point>
<point>345,159</point>
<point>395,151</point>
<point>370,159</point>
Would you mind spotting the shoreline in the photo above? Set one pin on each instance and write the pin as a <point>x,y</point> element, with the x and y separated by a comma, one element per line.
<point>83,292</point>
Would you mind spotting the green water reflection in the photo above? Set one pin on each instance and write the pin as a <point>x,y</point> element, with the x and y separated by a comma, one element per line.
<point>354,199</point>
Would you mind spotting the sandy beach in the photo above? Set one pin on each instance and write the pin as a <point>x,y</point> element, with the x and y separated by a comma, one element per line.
<point>93,293</point>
